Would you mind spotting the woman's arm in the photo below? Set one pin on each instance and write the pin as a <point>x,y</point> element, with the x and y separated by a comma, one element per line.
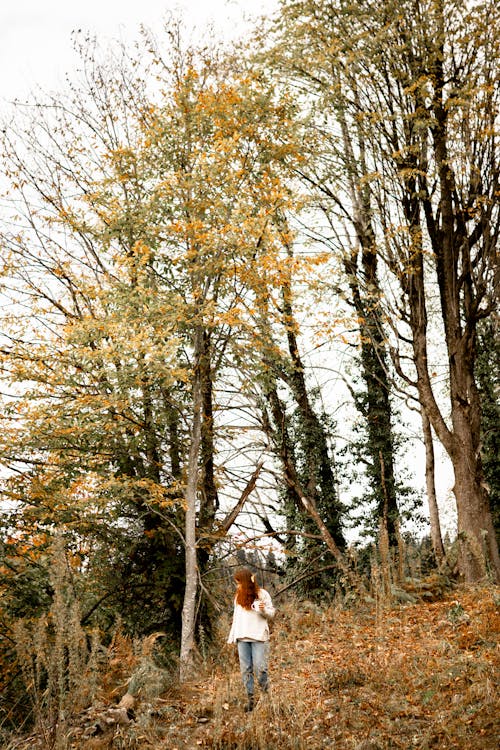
<point>266,607</point>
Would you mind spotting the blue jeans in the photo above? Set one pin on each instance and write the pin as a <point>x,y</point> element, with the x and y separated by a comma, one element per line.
<point>254,656</point>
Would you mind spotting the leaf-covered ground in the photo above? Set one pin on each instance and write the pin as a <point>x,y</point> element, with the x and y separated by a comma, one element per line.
<point>421,676</point>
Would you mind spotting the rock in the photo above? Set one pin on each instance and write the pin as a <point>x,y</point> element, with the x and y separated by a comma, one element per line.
<point>403,596</point>
<point>127,702</point>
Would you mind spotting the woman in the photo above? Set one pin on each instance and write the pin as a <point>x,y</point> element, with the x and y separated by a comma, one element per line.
<point>250,631</point>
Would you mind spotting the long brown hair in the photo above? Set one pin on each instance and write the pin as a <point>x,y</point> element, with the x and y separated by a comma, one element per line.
<point>248,588</point>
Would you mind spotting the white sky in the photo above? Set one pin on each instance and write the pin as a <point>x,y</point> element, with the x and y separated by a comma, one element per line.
<point>35,35</point>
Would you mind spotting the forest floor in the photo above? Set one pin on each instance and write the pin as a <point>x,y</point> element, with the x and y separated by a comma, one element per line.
<point>421,675</point>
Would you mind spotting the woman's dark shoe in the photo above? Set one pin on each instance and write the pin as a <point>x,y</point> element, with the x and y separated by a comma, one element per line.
<point>249,705</point>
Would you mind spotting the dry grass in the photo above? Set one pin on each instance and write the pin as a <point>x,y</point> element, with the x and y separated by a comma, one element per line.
<point>420,676</point>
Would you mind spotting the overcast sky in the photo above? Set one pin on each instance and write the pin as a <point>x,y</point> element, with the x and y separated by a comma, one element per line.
<point>35,35</point>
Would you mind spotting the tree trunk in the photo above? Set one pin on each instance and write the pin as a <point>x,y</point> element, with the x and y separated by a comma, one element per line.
<point>476,534</point>
<point>437,540</point>
<point>191,585</point>
<point>365,297</point>
<point>460,301</point>
<point>320,483</point>
<point>300,497</point>
<point>209,502</point>
<point>462,443</point>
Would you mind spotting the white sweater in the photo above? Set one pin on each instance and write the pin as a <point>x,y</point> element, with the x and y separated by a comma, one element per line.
<point>249,624</point>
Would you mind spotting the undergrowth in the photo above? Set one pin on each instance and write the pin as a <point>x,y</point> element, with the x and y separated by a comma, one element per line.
<point>420,675</point>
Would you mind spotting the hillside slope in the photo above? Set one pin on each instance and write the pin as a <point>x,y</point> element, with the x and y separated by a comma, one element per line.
<point>420,676</point>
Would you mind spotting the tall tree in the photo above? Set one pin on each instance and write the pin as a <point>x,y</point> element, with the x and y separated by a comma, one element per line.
<point>420,81</point>
<point>150,213</point>
<point>337,172</point>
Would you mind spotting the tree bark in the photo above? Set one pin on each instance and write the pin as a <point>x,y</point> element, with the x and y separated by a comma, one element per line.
<point>430,483</point>
<point>187,650</point>
<point>209,502</point>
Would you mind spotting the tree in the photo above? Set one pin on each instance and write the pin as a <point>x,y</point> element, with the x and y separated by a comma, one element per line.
<point>153,213</point>
<point>228,182</point>
<point>337,173</point>
<point>417,80</point>
<point>83,437</point>
<point>301,442</point>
